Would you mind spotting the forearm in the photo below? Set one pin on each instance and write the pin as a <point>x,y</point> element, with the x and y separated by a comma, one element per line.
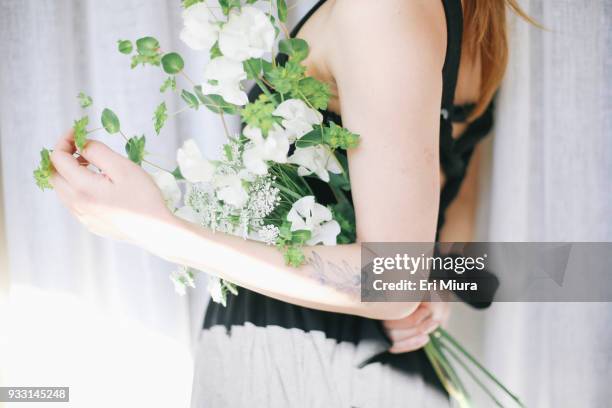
<point>330,279</point>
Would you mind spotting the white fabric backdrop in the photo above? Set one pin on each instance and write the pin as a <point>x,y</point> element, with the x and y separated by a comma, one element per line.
<point>550,172</point>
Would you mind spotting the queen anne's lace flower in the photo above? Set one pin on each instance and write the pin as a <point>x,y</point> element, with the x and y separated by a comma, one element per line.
<point>268,234</point>
<point>315,159</point>
<point>222,77</point>
<point>306,214</point>
<point>199,32</point>
<point>193,166</point>
<point>298,118</point>
<point>274,147</point>
<point>248,33</point>
<point>169,188</point>
<point>263,198</point>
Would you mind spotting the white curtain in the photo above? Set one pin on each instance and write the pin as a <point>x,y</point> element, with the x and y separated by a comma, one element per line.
<point>550,170</point>
<point>86,312</point>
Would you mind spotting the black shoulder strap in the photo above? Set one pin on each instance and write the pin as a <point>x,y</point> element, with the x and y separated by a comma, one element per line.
<point>454,31</point>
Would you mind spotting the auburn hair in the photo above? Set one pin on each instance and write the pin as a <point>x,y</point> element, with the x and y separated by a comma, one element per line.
<point>485,34</point>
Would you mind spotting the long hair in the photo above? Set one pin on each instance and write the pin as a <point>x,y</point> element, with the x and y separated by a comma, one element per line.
<point>485,34</point>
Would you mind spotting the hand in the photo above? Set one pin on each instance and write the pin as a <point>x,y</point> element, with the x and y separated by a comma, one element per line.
<point>412,332</point>
<point>113,202</point>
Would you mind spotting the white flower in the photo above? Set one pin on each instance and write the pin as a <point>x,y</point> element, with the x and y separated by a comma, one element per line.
<point>248,33</point>
<point>274,147</point>
<point>315,159</point>
<point>199,32</point>
<point>215,288</point>
<point>222,77</point>
<point>298,118</point>
<point>230,190</point>
<point>268,234</point>
<point>193,166</point>
<point>182,278</point>
<point>169,188</point>
<point>305,214</point>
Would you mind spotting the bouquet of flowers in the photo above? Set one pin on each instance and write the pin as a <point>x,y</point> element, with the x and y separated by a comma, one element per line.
<point>258,189</point>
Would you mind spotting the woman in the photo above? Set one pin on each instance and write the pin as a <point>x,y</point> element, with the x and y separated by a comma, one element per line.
<point>301,337</point>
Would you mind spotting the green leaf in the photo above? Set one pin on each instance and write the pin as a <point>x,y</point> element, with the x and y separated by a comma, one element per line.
<point>281,6</point>
<point>215,102</point>
<point>160,116</point>
<point>227,5</point>
<point>190,99</point>
<point>295,48</point>
<point>139,59</point>
<point>43,173</point>
<point>294,256</point>
<point>258,114</point>
<point>135,149</point>
<point>110,122</point>
<point>147,46</point>
<point>84,100</point>
<point>80,132</point>
<point>300,236</point>
<point>169,83</point>
<point>177,174</point>
<point>339,137</point>
<point>215,51</point>
<point>287,78</point>
<point>315,92</point>
<point>312,138</point>
<point>172,63</point>
<point>253,67</point>
<point>125,46</point>
<point>189,3</point>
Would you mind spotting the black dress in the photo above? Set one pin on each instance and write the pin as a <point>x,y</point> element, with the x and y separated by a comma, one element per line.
<point>261,352</point>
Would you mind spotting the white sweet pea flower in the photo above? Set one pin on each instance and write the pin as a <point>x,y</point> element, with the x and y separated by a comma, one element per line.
<point>248,33</point>
<point>306,214</point>
<point>298,118</point>
<point>315,159</point>
<point>274,147</point>
<point>229,189</point>
<point>222,77</point>
<point>169,188</point>
<point>194,167</point>
<point>199,32</point>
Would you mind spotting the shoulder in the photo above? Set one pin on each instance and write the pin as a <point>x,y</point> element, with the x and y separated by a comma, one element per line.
<point>389,28</point>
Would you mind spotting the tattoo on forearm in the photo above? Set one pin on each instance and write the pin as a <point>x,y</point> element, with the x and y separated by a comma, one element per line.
<point>343,277</point>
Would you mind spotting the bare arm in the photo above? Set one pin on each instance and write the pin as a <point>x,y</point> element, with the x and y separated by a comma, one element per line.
<point>394,175</point>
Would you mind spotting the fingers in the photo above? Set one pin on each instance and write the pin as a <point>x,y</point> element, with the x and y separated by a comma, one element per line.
<point>410,344</point>
<point>105,158</point>
<point>66,143</point>
<point>411,339</point>
<point>420,314</point>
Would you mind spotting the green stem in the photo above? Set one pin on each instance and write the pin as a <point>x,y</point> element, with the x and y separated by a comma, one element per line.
<point>471,374</point>
<point>264,88</point>
<point>473,360</point>
<point>124,136</point>
<point>156,166</point>
<point>462,394</point>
